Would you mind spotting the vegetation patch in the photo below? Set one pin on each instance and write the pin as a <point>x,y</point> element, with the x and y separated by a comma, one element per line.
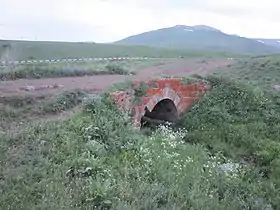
<point>190,80</point>
<point>263,72</point>
<point>63,101</point>
<point>117,69</point>
<point>240,121</point>
<point>23,109</point>
<point>187,80</point>
<point>140,89</point>
<point>96,159</point>
<point>49,71</point>
<point>222,154</point>
<point>25,50</point>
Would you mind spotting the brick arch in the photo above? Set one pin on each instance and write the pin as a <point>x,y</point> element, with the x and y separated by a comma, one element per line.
<point>183,93</point>
<point>167,93</point>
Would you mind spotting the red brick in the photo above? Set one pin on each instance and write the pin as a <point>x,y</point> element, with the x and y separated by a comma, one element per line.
<point>161,83</point>
<point>187,93</point>
<point>188,88</point>
<point>145,100</point>
<point>153,91</point>
<point>173,83</point>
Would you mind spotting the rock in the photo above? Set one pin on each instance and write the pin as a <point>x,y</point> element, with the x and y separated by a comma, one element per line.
<point>29,88</point>
<point>107,203</point>
<point>228,167</point>
<point>70,172</point>
<point>42,87</point>
<point>88,171</point>
<point>277,88</point>
<point>85,173</point>
<point>58,86</point>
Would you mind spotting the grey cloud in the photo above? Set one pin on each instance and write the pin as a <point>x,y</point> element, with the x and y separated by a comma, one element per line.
<point>51,29</point>
<point>233,9</point>
<point>50,20</point>
<point>44,25</point>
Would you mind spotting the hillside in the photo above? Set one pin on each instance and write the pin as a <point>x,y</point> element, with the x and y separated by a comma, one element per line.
<point>270,42</point>
<point>263,72</point>
<point>198,38</point>
<point>26,50</point>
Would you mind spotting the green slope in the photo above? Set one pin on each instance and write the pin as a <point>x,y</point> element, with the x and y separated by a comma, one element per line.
<point>263,72</point>
<point>198,38</point>
<point>270,42</point>
<point>24,50</point>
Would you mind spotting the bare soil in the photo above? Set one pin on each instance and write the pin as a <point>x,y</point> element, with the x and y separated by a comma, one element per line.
<point>99,83</point>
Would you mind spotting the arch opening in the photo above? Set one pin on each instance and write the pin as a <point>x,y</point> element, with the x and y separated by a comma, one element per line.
<point>164,111</point>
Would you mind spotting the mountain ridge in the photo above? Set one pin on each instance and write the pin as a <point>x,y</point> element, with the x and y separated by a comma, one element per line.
<point>270,42</point>
<point>199,37</point>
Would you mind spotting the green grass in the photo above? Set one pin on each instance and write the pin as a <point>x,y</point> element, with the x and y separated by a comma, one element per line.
<point>26,50</point>
<point>63,101</point>
<point>97,160</point>
<point>36,71</point>
<point>261,72</point>
<point>49,71</point>
<point>22,109</point>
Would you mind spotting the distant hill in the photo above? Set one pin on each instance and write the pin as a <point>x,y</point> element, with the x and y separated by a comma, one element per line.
<point>28,50</point>
<point>270,42</point>
<point>198,38</point>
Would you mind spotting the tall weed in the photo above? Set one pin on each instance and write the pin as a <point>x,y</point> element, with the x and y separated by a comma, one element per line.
<point>240,121</point>
<point>96,160</point>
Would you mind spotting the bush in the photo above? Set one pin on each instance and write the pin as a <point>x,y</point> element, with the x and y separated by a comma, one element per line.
<point>63,101</point>
<point>37,72</point>
<point>40,71</point>
<point>116,69</point>
<point>18,101</point>
<point>259,72</point>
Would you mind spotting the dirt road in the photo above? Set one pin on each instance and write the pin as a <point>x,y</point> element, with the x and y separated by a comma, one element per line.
<point>101,82</point>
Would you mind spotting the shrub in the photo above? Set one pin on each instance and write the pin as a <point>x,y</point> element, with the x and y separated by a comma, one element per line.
<point>63,101</point>
<point>241,121</point>
<point>116,69</point>
<point>41,71</point>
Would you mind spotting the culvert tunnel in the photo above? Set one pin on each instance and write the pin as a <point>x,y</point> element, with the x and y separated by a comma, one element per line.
<point>163,101</point>
<point>164,111</point>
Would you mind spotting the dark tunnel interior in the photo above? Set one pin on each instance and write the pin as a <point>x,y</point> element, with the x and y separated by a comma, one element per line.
<point>164,111</point>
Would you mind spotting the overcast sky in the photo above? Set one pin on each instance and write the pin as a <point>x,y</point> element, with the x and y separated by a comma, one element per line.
<point>110,20</point>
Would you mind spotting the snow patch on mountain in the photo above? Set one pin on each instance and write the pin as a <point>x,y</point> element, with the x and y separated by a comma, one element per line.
<point>260,41</point>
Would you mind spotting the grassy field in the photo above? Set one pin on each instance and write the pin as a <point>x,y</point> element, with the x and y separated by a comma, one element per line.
<point>261,72</point>
<point>19,110</point>
<point>36,71</point>
<point>27,50</point>
<point>96,160</point>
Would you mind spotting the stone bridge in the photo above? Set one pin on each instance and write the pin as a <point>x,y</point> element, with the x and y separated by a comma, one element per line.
<point>159,100</point>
